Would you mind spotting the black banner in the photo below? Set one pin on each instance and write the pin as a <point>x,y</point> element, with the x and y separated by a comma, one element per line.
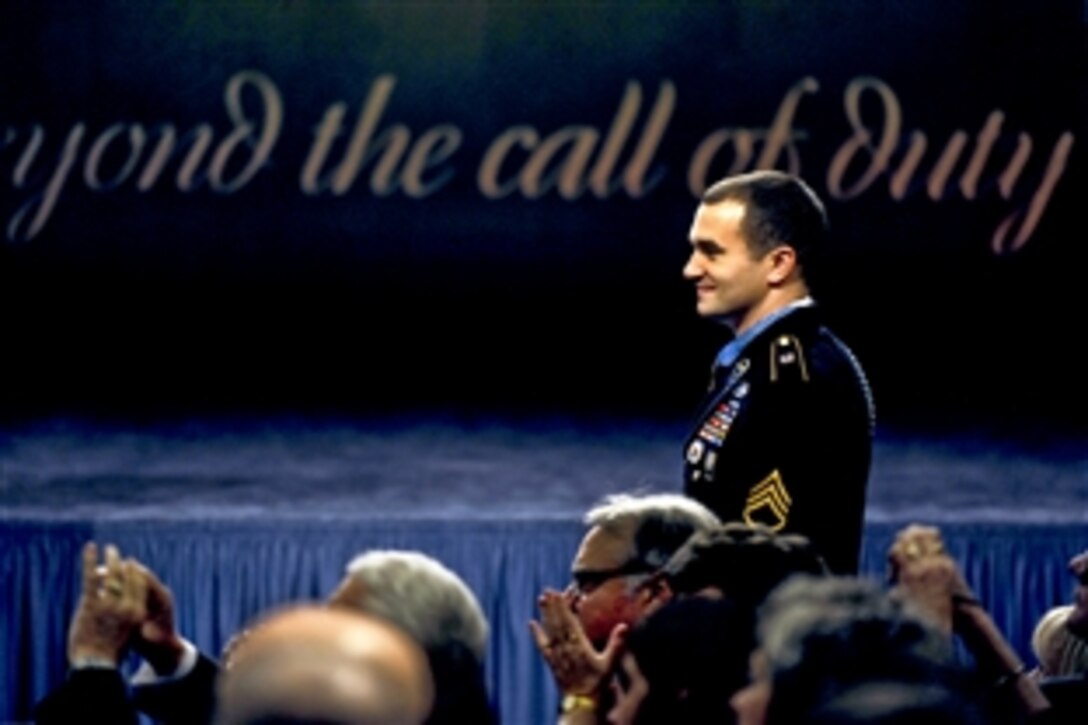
<point>215,205</point>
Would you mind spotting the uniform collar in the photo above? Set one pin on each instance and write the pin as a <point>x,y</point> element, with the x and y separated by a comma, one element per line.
<point>729,354</point>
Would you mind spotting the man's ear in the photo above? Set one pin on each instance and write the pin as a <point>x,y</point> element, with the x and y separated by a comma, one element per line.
<point>783,262</point>
<point>656,592</point>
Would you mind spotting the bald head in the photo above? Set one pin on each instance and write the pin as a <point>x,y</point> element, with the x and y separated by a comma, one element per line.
<point>314,664</point>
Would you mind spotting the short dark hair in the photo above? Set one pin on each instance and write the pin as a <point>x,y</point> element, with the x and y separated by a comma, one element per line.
<point>745,561</point>
<point>694,654</point>
<point>780,209</point>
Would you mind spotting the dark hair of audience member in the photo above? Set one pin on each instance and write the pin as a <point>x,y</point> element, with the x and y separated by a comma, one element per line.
<point>824,636</point>
<point>741,561</point>
<point>694,653</point>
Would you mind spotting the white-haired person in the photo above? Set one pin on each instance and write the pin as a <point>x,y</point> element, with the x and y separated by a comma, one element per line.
<point>437,609</point>
<point>629,538</point>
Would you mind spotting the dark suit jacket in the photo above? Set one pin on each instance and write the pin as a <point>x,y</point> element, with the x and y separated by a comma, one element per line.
<point>91,695</point>
<point>101,695</point>
<point>1068,697</point>
<point>189,700</point>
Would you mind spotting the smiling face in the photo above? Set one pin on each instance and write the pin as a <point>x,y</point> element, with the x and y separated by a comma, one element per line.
<point>731,284</point>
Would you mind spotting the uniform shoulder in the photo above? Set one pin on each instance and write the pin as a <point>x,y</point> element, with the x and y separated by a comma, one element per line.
<point>787,346</point>
<point>800,348</point>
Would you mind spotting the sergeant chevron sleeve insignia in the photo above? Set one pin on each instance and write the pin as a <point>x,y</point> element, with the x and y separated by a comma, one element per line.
<point>768,503</point>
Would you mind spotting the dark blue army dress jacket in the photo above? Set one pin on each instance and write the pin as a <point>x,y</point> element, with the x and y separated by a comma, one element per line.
<point>785,438</point>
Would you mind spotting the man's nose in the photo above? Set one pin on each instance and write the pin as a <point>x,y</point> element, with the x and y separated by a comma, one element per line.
<point>692,270</point>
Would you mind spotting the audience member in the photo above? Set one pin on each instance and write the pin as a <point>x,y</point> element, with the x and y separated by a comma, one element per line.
<point>111,607</point>
<point>924,573</point>
<point>683,663</point>
<point>1062,646</point>
<point>819,637</point>
<point>436,608</point>
<point>1060,652</point>
<point>657,626</point>
<point>176,684</point>
<point>329,666</point>
<point>580,631</point>
<point>740,561</point>
<point>1078,618</point>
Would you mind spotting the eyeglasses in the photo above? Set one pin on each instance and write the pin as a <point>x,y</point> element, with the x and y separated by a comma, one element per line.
<point>586,580</point>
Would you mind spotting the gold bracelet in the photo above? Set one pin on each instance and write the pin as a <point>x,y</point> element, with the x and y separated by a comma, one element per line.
<point>572,702</point>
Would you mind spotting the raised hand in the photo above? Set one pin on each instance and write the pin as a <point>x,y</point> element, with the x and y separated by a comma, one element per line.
<point>578,668</point>
<point>157,639</point>
<point>112,606</point>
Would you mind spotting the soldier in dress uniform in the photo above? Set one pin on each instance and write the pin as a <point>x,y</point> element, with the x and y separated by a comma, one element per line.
<point>785,434</point>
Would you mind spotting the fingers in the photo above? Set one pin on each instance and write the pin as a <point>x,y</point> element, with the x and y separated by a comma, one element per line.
<point>549,629</point>
<point>158,597</point>
<point>919,530</point>
<point>567,621</point>
<point>559,625</point>
<point>918,558</point>
<point>574,664</point>
<point>112,605</point>
<point>117,580</point>
<point>113,563</point>
<point>105,579</point>
<point>551,605</point>
<point>927,538</point>
<point>90,568</point>
<point>110,575</point>
<point>539,635</point>
<point>154,586</point>
<point>135,588</point>
<point>916,542</point>
<point>616,639</point>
